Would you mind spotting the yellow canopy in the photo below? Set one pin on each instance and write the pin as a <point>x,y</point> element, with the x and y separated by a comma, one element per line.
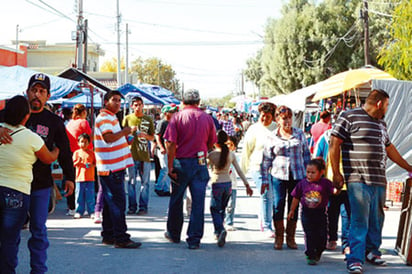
<point>348,80</point>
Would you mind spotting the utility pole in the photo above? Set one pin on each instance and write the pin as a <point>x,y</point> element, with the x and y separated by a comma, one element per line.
<point>119,80</point>
<point>85,66</point>
<point>79,36</point>
<point>366,32</point>
<point>126,70</point>
<point>242,85</point>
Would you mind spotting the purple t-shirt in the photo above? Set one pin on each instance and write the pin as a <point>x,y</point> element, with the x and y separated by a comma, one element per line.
<point>313,194</point>
<point>192,130</point>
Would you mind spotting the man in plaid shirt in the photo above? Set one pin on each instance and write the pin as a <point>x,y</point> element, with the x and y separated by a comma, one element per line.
<point>227,125</point>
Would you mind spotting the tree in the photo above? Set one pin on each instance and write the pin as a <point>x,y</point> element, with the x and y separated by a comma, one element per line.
<point>111,65</point>
<point>396,55</point>
<point>313,41</point>
<point>154,71</point>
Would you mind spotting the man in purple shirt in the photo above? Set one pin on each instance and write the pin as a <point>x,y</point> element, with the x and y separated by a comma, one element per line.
<point>189,136</point>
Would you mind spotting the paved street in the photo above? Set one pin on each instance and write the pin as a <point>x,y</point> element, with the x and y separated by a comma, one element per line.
<point>76,248</point>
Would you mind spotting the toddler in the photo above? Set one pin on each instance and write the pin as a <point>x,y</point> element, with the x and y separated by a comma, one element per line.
<point>84,161</point>
<point>313,193</point>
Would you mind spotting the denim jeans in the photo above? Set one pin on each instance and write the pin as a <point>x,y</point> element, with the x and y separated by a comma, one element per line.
<point>139,190</point>
<point>220,197</point>
<point>281,190</point>
<point>230,210</point>
<point>114,218</point>
<point>38,242</point>
<point>366,220</point>
<point>314,222</point>
<point>266,202</point>
<point>339,204</point>
<point>163,182</point>
<point>85,197</point>
<point>13,212</point>
<point>190,174</point>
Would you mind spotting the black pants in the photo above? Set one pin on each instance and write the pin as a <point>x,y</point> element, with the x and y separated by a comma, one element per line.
<point>314,222</point>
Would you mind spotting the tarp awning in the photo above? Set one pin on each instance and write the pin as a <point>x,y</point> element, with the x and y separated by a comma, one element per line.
<point>14,80</point>
<point>77,75</point>
<point>129,90</point>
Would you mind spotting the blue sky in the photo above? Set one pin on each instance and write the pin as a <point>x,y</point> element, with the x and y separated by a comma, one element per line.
<point>207,42</point>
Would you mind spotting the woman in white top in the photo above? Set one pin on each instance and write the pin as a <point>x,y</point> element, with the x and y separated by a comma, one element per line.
<point>16,161</point>
<point>220,160</point>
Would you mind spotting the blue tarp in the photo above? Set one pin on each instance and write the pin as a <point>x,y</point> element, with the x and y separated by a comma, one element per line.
<point>14,81</point>
<point>129,90</point>
<point>161,92</point>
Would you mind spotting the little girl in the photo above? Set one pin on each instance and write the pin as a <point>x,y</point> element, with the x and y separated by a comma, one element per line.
<point>84,161</point>
<point>220,160</point>
<point>313,193</point>
<point>230,211</point>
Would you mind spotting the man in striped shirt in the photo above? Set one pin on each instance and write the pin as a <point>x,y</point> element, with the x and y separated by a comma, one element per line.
<point>112,158</point>
<point>362,137</point>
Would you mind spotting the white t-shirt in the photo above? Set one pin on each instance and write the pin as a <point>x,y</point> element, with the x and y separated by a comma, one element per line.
<point>17,159</point>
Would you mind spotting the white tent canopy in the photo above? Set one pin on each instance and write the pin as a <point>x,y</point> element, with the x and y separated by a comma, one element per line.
<point>297,100</point>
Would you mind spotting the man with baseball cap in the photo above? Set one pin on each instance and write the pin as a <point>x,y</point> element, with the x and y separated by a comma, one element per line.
<point>189,136</point>
<point>162,186</point>
<point>51,128</point>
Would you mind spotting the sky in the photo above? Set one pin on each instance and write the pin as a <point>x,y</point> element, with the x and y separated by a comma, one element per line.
<point>207,42</point>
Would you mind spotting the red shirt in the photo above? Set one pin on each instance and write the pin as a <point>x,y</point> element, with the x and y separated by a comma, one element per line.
<point>74,128</point>
<point>317,130</point>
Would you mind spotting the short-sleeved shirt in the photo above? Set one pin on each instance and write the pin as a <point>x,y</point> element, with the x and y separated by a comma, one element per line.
<point>313,194</point>
<point>160,129</point>
<point>140,146</point>
<point>75,128</point>
<point>110,157</point>
<point>17,158</point>
<point>192,130</point>
<point>364,147</point>
<point>80,159</point>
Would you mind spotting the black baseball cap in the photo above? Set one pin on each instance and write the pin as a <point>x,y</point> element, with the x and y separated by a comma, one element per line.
<point>40,78</point>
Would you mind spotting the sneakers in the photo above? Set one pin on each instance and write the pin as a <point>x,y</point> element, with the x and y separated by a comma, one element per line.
<point>131,212</point>
<point>331,245</point>
<point>77,215</point>
<point>70,212</point>
<point>311,261</point>
<point>222,238</point>
<point>97,220</point>
<point>355,268</point>
<point>375,259</point>
<point>193,246</point>
<point>129,244</point>
<point>230,228</point>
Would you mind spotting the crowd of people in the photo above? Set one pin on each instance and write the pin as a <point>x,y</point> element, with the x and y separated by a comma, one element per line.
<point>344,174</point>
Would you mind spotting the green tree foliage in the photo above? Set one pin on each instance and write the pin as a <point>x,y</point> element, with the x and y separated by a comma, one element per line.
<point>154,71</point>
<point>396,55</point>
<point>313,40</point>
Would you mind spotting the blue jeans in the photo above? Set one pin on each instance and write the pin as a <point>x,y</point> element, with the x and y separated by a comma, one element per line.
<point>85,197</point>
<point>139,189</point>
<point>314,222</point>
<point>339,204</point>
<point>13,212</point>
<point>281,190</point>
<point>190,174</point>
<point>366,220</point>
<point>220,197</point>
<point>266,202</point>
<point>163,182</point>
<point>230,210</point>
<point>114,218</point>
<point>38,242</point>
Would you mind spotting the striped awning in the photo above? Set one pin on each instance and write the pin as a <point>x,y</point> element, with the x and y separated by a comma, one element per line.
<point>347,80</point>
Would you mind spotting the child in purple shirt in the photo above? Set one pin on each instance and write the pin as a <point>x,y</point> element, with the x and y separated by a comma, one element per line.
<point>313,193</point>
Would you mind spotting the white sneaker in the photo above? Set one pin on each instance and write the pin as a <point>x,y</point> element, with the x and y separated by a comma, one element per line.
<point>71,212</point>
<point>97,220</point>
<point>77,216</point>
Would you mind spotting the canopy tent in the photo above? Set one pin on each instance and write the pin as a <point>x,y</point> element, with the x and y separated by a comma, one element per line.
<point>160,92</point>
<point>297,100</point>
<point>77,75</point>
<point>129,90</point>
<point>14,81</point>
<point>86,99</point>
<point>347,80</point>
<point>399,121</point>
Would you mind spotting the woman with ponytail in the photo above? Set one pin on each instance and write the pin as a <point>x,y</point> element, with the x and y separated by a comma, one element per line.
<point>220,161</point>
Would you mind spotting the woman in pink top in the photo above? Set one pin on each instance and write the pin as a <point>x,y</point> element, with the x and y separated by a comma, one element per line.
<point>77,126</point>
<point>320,127</point>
